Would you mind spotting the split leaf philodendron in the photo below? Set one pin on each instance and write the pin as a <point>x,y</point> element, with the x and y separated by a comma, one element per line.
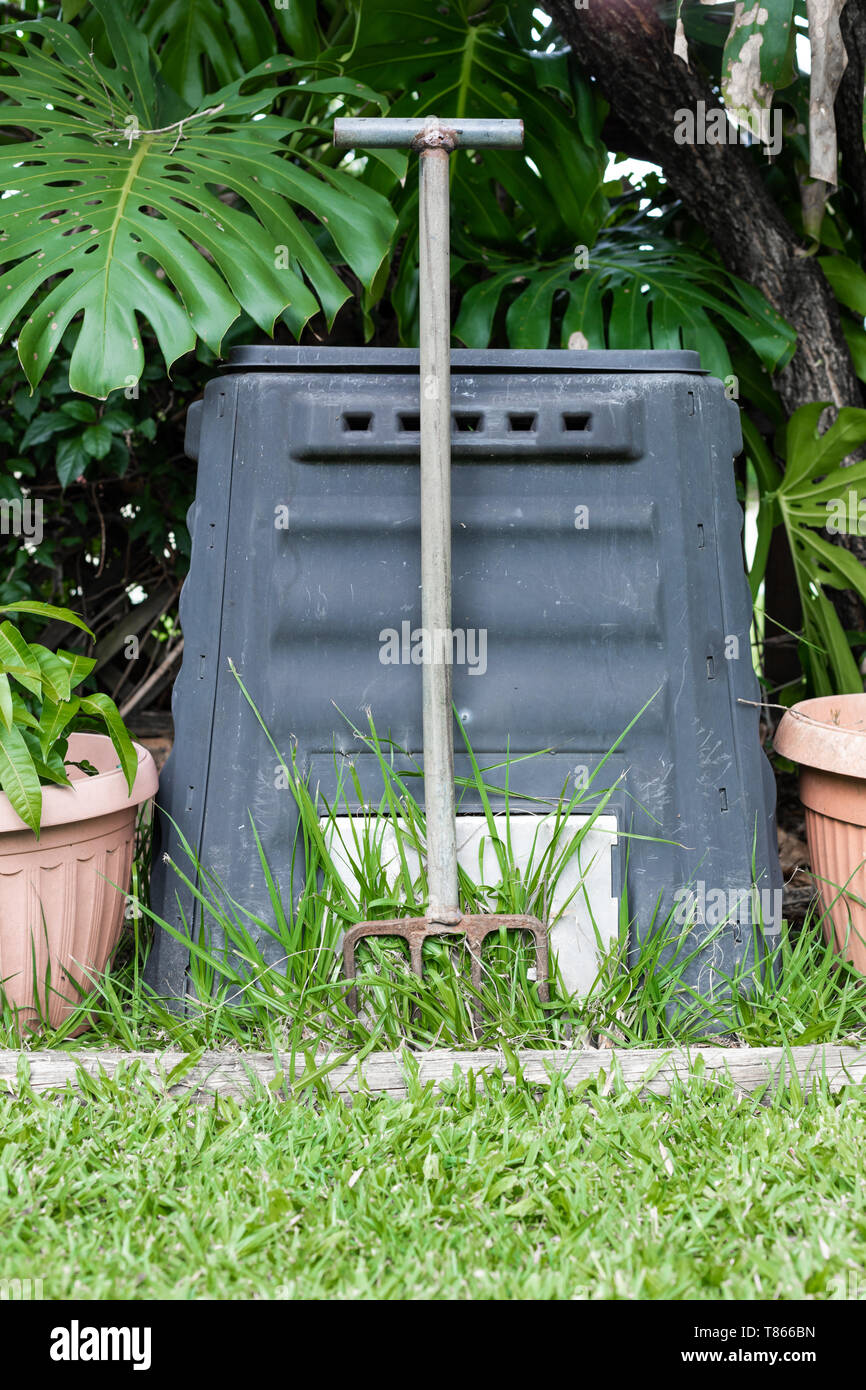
<point>122,204</point>
<point>807,499</point>
<point>38,712</point>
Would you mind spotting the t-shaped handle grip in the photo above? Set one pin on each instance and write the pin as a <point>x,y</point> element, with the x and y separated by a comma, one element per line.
<point>434,139</point>
<point>392,132</point>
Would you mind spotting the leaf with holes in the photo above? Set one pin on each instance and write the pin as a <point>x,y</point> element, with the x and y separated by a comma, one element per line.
<point>455,60</point>
<point>112,221</point>
<point>195,37</point>
<point>809,454</point>
<point>634,294</point>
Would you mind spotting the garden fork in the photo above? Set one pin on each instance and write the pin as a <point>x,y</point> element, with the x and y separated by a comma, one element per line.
<point>434,140</point>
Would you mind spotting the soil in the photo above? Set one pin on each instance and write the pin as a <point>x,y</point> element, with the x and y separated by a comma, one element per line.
<point>155,731</point>
<point>798,889</point>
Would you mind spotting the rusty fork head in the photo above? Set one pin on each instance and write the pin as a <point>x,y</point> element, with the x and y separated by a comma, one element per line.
<point>474,926</point>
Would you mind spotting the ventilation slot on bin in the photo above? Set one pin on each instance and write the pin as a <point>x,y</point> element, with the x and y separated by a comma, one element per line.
<point>468,424</point>
<point>357,420</point>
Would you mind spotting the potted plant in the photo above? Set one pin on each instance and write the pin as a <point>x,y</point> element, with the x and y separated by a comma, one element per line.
<point>67,823</point>
<point>827,737</point>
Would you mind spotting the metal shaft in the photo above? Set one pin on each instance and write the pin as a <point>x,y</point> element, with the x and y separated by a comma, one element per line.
<point>434,140</point>
<point>435,344</point>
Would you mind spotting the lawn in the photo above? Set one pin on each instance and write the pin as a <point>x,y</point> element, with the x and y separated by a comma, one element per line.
<point>487,1190</point>
<point>505,1192</point>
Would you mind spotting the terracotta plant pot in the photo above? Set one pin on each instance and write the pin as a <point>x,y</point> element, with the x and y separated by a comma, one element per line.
<point>60,913</point>
<point>827,737</point>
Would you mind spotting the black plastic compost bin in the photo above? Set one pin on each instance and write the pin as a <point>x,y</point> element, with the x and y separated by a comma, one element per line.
<point>596,537</point>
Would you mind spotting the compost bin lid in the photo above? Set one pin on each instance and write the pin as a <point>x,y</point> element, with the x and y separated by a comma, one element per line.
<point>288,358</point>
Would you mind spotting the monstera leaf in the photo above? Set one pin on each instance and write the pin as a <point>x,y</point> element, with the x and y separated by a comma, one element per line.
<point>457,59</point>
<point>817,492</point>
<point>228,37</point>
<point>636,290</point>
<point>114,219</point>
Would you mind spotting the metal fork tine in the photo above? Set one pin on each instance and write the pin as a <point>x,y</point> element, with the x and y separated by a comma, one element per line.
<point>474,926</point>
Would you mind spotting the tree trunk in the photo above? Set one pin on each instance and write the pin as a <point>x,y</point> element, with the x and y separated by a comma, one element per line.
<point>849,114</point>
<point>626,46</point>
<point>628,49</point>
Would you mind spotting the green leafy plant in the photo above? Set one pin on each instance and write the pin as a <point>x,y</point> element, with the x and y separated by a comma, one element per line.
<point>848,283</point>
<point>38,712</point>
<point>464,59</point>
<point>116,208</point>
<point>639,288</point>
<point>803,500</point>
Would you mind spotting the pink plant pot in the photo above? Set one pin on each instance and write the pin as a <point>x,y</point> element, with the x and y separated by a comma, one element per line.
<point>62,896</point>
<point>827,737</point>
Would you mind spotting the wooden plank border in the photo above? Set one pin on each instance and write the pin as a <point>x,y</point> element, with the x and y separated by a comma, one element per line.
<point>239,1074</point>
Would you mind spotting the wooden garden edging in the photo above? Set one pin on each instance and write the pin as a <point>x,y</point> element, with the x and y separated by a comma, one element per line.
<point>643,1069</point>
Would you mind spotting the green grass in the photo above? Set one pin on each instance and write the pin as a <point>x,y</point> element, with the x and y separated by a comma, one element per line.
<point>498,1190</point>
<point>278,983</point>
<point>510,1192</point>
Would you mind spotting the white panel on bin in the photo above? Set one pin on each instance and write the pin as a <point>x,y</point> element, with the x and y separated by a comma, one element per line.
<point>583,893</point>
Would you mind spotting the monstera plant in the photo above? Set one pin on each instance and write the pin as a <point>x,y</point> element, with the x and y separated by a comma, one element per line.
<point>134,202</point>
<point>816,492</point>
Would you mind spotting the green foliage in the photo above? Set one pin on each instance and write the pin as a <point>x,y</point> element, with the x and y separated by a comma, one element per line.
<point>147,224</point>
<point>205,44</point>
<point>848,283</point>
<point>130,199</point>
<point>461,60</point>
<point>35,726</point>
<point>107,535</point>
<point>640,289</point>
<point>816,491</point>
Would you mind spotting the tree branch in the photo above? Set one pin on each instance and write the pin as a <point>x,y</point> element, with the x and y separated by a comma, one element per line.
<point>628,49</point>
